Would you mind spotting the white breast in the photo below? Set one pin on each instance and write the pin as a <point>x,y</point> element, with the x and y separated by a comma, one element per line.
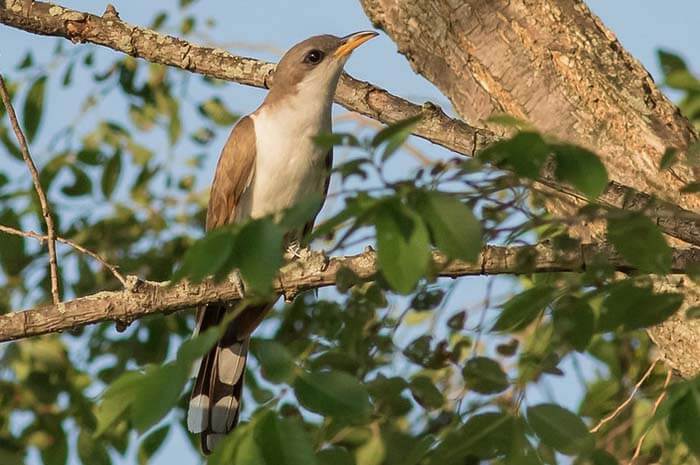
<point>289,166</point>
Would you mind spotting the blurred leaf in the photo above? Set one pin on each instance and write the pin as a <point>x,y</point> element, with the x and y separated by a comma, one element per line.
<point>276,362</point>
<point>640,242</point>
<point>394,135</point>
<point>206,256</point>
<point>669,158</point>
<point>215,110</point>
<point>525,154</point>
<point>34,108</point>
<point>91,451</point>
<point>27,61</point>
<point>691,188</point>
<point>522,309</point>
<point>111,174</point>
<point>257,253</point>
<point>9,144</point>
<point>560,429</point>
<point>335,456</point>
<point>483,436</point>
<point>403,245</point>
<point>13,253</point>
<point>581,168</point>
<point>425,392</point>
<point>371,452</point>
<point>574,320</point>
<point>634,307</point>
<point>151,443</point>
<point>332,393</point>
<point>81,183</point>
<point>283,441</point>
<point>330,140</point>
<point>693,313</point>
<point>485,376</point>
<point>685,419</point>
<point>116,399</point>
<point>670,62</point>
<point>452,224</point>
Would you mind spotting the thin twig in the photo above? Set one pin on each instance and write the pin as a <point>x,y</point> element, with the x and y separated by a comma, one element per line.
<point>622,406</point>
<point>41,238</point>
<point>46,213</point>
<point>638,449</point>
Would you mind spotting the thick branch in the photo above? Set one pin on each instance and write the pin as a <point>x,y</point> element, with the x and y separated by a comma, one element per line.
<point>311,272</point>
<point>43,201</point>
<point>353,94</point>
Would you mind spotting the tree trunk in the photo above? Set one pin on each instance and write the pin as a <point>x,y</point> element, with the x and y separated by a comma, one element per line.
<point>554,64</point>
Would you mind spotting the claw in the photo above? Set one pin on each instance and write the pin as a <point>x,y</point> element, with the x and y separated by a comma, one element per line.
<point>293,251</point>
<point>237,281</point>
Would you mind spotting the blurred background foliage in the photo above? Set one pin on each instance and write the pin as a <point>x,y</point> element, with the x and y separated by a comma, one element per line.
<point>404,370</point>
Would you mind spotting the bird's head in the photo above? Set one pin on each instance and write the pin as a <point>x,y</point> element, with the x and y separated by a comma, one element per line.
<point>314,65</point>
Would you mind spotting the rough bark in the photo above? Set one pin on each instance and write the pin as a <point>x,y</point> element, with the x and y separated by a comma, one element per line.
<point>556,65</point>
<point>312,271</point>
<point>110,31</point>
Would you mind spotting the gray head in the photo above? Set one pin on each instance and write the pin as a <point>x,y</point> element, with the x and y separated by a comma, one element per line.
<point>314,65</point>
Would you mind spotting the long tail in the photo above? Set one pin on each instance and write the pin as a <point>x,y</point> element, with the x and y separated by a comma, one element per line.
<point>216,396</point>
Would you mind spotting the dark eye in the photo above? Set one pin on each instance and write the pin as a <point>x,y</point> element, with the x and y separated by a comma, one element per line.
<point>314,57</point>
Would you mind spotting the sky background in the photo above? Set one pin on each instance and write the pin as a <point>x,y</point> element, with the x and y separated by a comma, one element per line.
<point>643,26</point>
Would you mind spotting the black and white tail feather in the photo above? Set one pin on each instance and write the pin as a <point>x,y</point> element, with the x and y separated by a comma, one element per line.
<point>216,396</point>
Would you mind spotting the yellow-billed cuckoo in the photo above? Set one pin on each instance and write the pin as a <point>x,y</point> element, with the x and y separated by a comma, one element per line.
<point>269,163</point>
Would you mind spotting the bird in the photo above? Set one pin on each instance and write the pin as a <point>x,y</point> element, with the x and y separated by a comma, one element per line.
<point>269,163</point>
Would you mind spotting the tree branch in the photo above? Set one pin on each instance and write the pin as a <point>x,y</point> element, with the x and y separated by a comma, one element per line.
<point>359,96</point>
<point>45,211</point>
<point>313,271</point>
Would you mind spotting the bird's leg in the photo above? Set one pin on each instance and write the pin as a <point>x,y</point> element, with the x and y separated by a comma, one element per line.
<point>237,280</point>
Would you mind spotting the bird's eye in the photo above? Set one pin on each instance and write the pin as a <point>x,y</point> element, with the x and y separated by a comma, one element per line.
<point>314,57</point>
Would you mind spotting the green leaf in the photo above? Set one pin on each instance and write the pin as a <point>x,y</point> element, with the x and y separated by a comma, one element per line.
<point>276,361</point>
<point>574,321</point>
<point>453,227</point>
<point>671,62</point>
<point>206,256</point>
<point>425,392</point>
<point>116,399</point>
<point>91,451</point>
<point>9,144</point>
<point>484,436</point>
<point>34,108</point>
<point>669,158</point>
<point>335,456</point>
<point>371,452</point>
<point>151,443</point>
<point>81,183</point>
<point>90,156</point>
<point>522,309</point>
<point>485,376</point>
<point>525,154</point>
<point>691,188</point>
<point>111,174</point>
<point>634,307</point>
<point>257,253</point>
<point>13,254</point>
<point>693,313</point>
<point>216,110</point>
<point>403,245</point>
<point>332,393</point>
<point>330,140</point>
<point>640,242</point>
<point>685,419</point>
<point>283,441</point>
<point>581,168</point>
<point>394,135</point>
<point>559,428</point>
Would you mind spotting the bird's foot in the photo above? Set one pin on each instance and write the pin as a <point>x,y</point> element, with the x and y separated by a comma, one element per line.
<point>295,251</point>
<point>237,280</point>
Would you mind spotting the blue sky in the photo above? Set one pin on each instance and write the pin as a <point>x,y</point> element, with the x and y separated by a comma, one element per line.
<point>642,26</point>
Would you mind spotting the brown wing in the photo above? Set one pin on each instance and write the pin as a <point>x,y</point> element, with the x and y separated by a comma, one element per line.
<point>234,173</point>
